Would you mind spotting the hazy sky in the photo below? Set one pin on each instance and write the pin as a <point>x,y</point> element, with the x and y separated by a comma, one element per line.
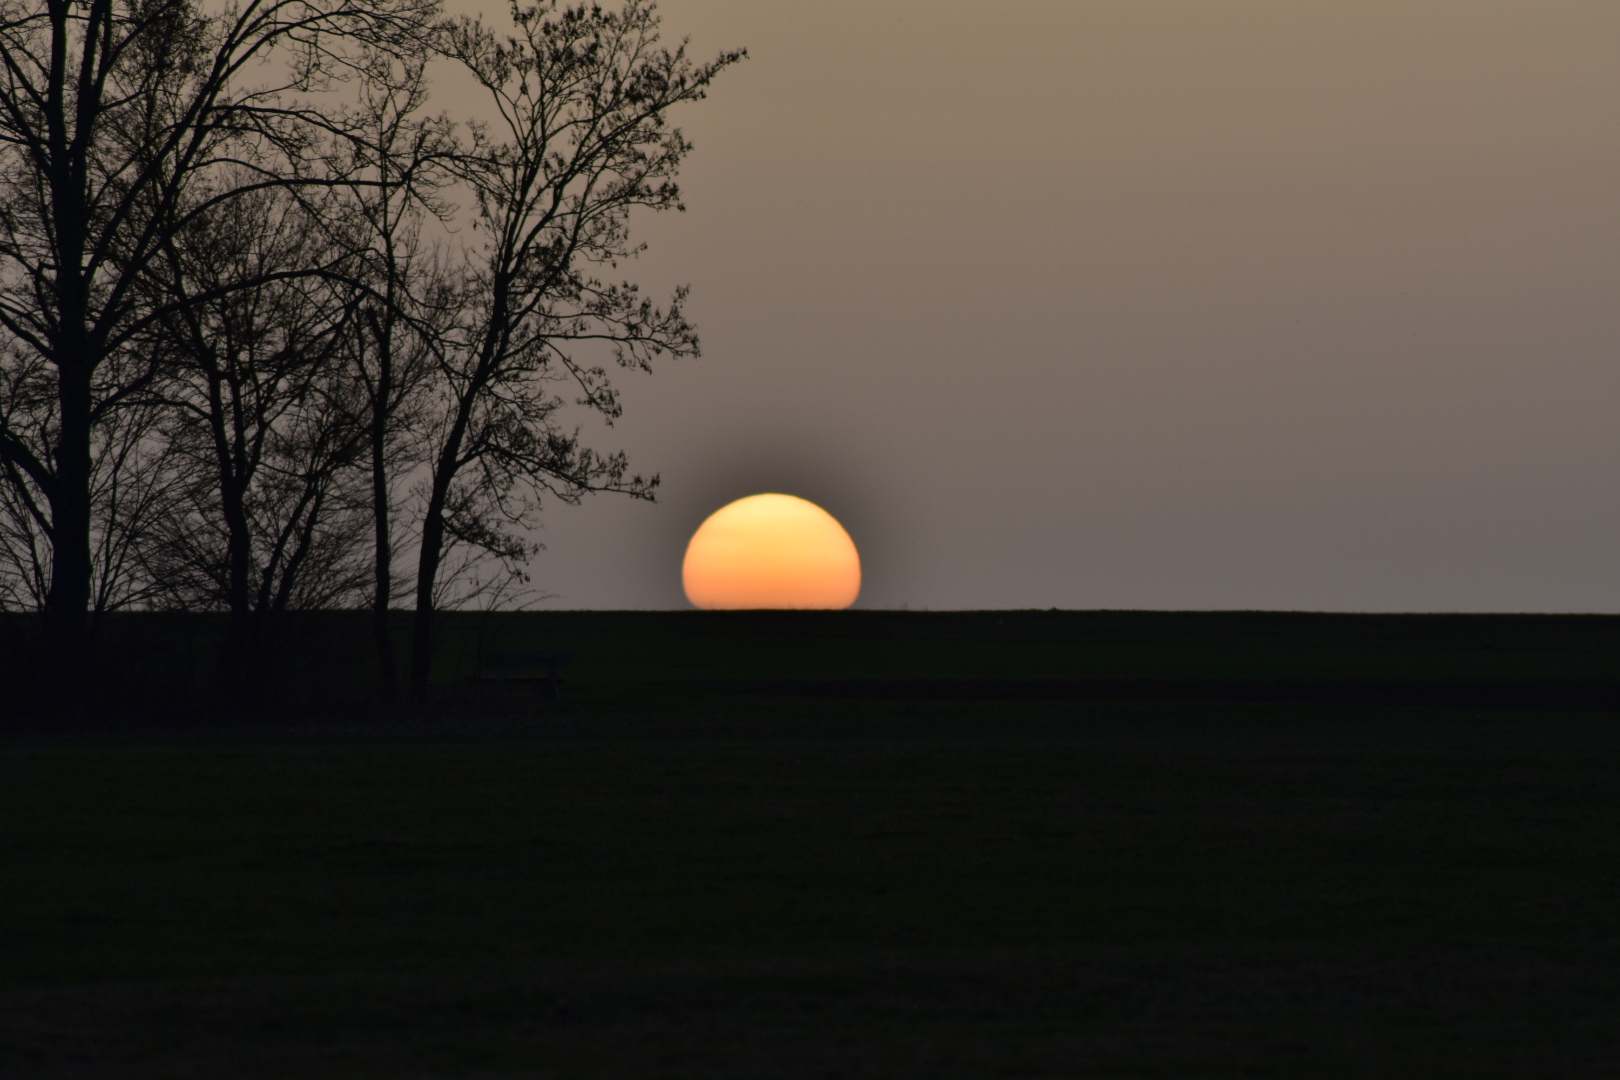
<point>1144,304</point>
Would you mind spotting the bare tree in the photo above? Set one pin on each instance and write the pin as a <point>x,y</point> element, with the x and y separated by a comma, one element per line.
<point>582,140</point>
<point>392,158</point>
<point>112,113</point>
<point>264,416</point>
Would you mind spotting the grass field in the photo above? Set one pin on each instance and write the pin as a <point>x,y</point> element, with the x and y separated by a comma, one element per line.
<point>881,845</point>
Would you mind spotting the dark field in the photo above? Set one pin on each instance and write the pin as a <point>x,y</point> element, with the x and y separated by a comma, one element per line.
<point>853,845</point>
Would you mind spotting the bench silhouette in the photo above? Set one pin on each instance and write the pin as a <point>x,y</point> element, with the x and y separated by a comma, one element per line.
<point>524,666</point>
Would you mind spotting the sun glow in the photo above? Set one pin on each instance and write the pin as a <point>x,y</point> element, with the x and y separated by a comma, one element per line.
<point>771,551</point>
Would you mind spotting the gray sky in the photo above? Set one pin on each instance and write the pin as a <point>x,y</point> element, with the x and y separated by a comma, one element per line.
<point>1144,304</point>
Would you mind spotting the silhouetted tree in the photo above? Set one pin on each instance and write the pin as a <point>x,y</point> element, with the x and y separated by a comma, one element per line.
<point>392,158</point>
<point>112,114</point>
<point>582,139</point>
<point>235,368</point>
<point>263,415</point>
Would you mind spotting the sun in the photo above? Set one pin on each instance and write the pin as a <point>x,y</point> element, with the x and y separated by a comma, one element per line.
<point>771,551</point>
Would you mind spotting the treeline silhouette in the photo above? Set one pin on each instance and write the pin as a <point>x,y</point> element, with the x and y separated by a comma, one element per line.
<point>279,336</point>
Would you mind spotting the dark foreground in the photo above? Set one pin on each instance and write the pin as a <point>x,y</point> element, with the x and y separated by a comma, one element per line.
<point>929,846</point>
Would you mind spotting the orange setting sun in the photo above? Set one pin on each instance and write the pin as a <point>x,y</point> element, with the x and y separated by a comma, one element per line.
<point>771,551</point>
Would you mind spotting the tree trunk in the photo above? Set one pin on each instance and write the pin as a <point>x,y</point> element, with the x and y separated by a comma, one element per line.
<point>382,394</point>
<point>236,659</point>
<point>427,570</point>
<point>387,666</point>
<point>235,682</point>
<point>67,606</point>
<point>427,573</point>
